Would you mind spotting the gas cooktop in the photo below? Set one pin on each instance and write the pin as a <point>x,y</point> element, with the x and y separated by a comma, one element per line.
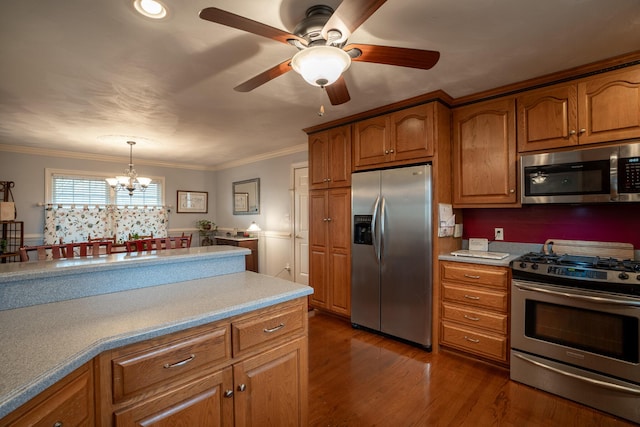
<point>592,272</point>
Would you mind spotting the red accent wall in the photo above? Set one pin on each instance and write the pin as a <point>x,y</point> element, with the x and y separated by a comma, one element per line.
<point>537,223</point>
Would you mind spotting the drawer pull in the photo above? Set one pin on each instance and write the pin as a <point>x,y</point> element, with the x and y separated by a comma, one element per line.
<point>228,393</point>
<point>471,297</point>
<point>475,319</point>
<point>271,330</point>
<point>180,363</point>
<point>473,340</point>
<point>242,387</point>
<point>469,276</point>
<point>58,424</point>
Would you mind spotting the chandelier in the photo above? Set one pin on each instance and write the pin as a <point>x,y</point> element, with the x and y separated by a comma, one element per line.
<point>130,181</point>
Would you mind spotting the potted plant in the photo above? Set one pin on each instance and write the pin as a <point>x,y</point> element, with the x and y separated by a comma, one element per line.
<point>206,227</point>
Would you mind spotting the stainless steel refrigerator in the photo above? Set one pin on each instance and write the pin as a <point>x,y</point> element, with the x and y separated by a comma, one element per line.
<point>391,285</point>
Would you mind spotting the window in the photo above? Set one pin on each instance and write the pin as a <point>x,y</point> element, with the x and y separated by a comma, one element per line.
<point>90,188</point>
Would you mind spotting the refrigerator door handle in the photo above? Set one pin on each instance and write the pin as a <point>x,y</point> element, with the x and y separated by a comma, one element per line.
<point>382,211</point>
<point>374,221</point>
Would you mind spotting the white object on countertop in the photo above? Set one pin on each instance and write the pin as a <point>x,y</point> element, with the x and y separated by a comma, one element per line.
<point>478,244</point>
<point>479,254</point>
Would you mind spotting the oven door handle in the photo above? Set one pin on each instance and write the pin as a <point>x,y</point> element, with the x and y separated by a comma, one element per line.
<point>589,298</point>
<point>603,384</point>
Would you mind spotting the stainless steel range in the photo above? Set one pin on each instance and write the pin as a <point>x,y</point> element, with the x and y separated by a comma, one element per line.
<point>575,329</point>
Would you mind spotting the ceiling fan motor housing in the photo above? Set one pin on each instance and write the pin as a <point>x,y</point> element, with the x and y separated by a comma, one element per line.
<point>310,28</point>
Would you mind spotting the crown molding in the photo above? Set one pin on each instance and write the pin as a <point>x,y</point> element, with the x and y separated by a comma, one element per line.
<point>253,159</point>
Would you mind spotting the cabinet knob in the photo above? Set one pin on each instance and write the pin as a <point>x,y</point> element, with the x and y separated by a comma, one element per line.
<point>571,132</point>
<point>511,190</point>
<point>242,387</point>
<point>391,151</point>
<point>58,424</point>
<point>228,393</point>
<point>328,219</point>
<point>386,151</point>
<point>582,131</point>
<point>328,179</point>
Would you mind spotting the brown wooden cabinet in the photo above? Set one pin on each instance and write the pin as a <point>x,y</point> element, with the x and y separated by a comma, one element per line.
<point>330,250</point>
<point>484,154</point>
<point>251,260</point>
<point>211,376</point>
<point>330,158</point>
<point>596,109</point>
<point>475,309</point>
<point>405,136</point>
<point>69,402</point>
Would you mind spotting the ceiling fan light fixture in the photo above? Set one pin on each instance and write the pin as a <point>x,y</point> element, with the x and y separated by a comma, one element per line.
<point>150,8</point>
<point>321,65</point>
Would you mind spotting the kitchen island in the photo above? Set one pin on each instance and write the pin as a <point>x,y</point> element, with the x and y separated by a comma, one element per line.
<point>42,343</point>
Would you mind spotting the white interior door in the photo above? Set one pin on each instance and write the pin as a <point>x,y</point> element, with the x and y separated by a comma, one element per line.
<point>301,225</point>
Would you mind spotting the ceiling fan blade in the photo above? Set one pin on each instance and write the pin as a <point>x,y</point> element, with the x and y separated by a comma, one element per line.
<point>264,77</point>
<point>232,20</point>
<point>404,57</point>
<point>349,16</point>
<point>338,92</point>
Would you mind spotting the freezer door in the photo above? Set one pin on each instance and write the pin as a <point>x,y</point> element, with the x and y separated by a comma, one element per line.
<point>406,266</point>
<point>365,270</point>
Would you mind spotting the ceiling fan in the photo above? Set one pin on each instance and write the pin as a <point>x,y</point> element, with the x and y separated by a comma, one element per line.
<point>321,39</point>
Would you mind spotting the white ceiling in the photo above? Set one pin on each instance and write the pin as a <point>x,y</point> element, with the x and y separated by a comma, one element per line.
<point>75,72</point>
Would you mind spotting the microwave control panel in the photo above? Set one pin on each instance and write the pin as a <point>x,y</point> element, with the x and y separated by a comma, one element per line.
<point>629,175</point>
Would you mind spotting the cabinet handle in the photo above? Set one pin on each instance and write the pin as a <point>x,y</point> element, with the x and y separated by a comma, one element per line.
<point>386,151</point>
<point>328,179</point>
<point>328,219</point>
<point>391,151</point>
<point>571,132</point>
<point>512,190</point>
<point>475,319</point>
<point>242,387</point>
<point>469,276</point>
<point>228,393</point>
<point>180,363</point>
<point>582,131</point>
<point>473,340</point>
<point>271,330</point>
<point>58,424</point>
<point>471,297</point>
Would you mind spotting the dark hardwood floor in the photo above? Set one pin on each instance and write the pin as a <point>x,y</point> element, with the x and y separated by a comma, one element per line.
<point>357,378</point>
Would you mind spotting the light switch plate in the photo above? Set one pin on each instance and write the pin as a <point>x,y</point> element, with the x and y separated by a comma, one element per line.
<point>478,244</point>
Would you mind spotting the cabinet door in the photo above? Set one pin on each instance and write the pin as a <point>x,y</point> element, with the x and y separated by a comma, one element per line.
<point>270,389</point>
<point>412,133</point>
<point>318,244</point>
<point>371,141</point>
<point>339,263</point>
<point>340,157</point>
<point>548,118</point>
<point>318,157</point>
<point>609,107</point>
<point>484,154</point>
<point>202,403</point>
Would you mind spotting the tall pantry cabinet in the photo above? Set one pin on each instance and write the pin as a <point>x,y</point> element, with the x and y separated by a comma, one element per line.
<point>330,225</point>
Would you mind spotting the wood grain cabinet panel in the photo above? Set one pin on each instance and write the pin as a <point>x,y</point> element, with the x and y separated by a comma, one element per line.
<point>330,158</point>
<point>475,309</point>
<point>601,108</point>
<point>484,154</point>
<point>330,250</point>
<point>67,403</point>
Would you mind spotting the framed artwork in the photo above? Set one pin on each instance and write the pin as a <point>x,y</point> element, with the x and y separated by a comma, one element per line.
<point>241,202</point>
<point>193,201</point>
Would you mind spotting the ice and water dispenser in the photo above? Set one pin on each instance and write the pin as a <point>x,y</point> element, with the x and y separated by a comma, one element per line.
<point>362,229</point>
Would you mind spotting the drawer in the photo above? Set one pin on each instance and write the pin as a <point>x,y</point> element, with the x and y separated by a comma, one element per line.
<point>475,318</point>
<point>269,327</point>
<point>473,341</point>
<point>135,372</point>
<point>483,275</point>
<point>477,297</point>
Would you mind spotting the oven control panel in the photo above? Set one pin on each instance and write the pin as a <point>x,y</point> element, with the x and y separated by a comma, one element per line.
<point>577,272</point>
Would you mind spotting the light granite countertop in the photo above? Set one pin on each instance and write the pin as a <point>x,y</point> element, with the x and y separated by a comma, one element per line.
<point>471,260</point>
<point>43,343</point>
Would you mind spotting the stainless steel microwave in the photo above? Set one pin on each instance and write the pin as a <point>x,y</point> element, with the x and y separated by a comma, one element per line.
<point>591,175</point>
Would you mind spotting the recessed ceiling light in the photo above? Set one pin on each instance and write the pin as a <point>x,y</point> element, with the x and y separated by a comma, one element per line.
<point>150,8</point>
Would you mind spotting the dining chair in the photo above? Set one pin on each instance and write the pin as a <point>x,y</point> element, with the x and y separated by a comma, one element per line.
<point>65,251</point>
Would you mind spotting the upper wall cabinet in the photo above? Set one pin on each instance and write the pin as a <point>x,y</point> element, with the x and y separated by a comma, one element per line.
<point>484,154</point>
<point>330,158</point>
<point>593,110</point>
<point>394,139</point>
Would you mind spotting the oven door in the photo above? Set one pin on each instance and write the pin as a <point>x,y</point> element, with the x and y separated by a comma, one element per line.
<point>590,330</point>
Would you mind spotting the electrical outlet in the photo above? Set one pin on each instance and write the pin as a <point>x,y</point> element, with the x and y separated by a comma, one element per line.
<point>498,234</point>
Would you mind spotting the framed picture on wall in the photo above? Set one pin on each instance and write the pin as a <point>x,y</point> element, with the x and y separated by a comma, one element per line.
<point>193,201</point>
<point>241,202</point>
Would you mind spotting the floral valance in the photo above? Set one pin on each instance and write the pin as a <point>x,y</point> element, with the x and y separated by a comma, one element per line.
<point>76,224</point>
